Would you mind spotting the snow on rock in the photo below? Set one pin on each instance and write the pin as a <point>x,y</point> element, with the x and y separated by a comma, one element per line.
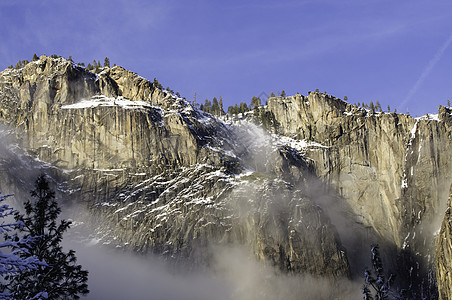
<point>101,100</point>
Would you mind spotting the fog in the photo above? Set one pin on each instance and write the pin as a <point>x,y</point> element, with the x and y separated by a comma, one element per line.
<point>120,275</point>
<point>234,274</point>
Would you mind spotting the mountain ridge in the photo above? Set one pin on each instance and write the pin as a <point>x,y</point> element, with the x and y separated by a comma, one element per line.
<point>132,151</point>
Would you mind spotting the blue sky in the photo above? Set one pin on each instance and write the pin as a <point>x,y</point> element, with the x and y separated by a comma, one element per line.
<point>396,52</point>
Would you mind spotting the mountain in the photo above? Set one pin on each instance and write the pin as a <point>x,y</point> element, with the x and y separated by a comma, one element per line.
<point>305,183</point>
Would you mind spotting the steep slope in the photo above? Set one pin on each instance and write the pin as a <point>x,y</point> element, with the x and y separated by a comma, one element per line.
<point>158,175</point>
<point>444,254</point>
<point>391,169</point>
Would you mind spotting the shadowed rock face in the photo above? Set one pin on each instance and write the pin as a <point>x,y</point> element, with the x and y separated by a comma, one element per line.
<point>444,254</point>
<point>158,175</point>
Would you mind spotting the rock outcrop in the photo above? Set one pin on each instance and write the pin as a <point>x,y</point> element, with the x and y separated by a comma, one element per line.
<point>444,254</point>
<point>161,176</point>
<point>382,164</point>
<point>390,169</point>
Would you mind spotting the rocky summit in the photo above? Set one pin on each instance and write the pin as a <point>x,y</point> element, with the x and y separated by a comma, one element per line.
<point>305,183</point>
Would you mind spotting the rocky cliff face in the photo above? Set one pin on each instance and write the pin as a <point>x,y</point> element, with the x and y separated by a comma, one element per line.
<point>159,176</point>
<point>382,164</point>
<point>391,169</point>
<point>444,254</point>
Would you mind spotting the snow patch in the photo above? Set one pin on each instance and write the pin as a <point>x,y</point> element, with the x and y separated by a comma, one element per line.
<point>101,100</point>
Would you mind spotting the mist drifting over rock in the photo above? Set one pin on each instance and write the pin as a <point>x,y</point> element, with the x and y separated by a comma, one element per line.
<point>289,207</point>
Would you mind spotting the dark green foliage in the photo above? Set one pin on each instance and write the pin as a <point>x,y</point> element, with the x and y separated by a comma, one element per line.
<point>220,102</point>
<point>233,110</point>
<point>272,94</point>
<point>89,67</point>
<point>35,57</point>
<point>62,278</point>
<point>255,102</point>
<point>243,107</point>
<point>96,66</point>
<point>345,98</point>
<point>283,93</point>
<point>448,102</point>
<point>107,62</point>
<point>213,107</point>
<point>157,84</point>
<point>207,106</point>
<point>70,58</point>
<point>378,106</point>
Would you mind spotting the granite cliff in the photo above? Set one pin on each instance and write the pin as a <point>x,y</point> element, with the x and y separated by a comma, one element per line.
<point>158,175</point>
<point>161,176</point>
<point>392,170</point>
<point>444,254</point>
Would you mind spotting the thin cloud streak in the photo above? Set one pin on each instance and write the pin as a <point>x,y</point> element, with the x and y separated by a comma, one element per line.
<point>426,72</point>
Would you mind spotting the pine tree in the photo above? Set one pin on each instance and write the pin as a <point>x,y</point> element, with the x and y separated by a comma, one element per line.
<point>61,278</point>
<point>243,107</point>
<point>215,106</point>
<point>220,102</point>
<point>389,108</point>
<point>207,107</point>
<point>107,62</point>
<point>379,283</point>
<point>448,102</point>
<point>283,93</point>
<point>11,261</point>
<point>35,57</point>
<point>255,102</point>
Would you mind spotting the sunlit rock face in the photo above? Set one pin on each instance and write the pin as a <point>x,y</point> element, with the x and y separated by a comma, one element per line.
<point>392,170</point>
<point>160,176</point>
<point>444,254</point>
